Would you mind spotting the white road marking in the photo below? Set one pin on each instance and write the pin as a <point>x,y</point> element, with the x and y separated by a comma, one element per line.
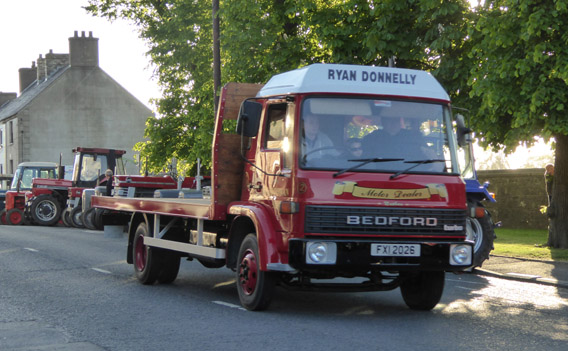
<point>30,249</point>
<point>101,270</point>
<point>229,305</point>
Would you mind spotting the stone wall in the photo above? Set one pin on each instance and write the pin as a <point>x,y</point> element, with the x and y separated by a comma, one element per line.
<point>519,193</point>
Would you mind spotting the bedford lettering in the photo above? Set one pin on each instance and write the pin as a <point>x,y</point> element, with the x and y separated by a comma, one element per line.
<point>383,221</point>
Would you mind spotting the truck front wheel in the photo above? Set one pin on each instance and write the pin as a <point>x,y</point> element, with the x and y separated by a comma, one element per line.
<point>422,290</point>
<point>146,264</point>
<point>45,210</point>
<point>255,287</point>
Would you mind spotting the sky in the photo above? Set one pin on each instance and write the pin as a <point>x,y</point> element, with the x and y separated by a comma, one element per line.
<point>29,28</point>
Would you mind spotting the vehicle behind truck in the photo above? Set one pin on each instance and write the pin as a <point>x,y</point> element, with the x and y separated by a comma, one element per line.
<point>339,178</point>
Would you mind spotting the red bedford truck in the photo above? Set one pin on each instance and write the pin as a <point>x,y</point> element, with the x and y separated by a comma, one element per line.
<point>339,177</point>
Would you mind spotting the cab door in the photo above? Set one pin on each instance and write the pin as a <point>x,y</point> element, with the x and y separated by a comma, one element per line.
<point>271,181</point>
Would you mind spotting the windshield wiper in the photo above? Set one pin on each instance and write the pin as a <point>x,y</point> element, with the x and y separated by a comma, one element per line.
<point>418,163</point>
<point>365,161</point>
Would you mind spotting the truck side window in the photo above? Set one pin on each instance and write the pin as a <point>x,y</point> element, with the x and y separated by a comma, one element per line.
<point>275,131</point>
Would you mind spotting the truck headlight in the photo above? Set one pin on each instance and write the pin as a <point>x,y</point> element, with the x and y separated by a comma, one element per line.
<point>460,255</point>
<point>320,252</point>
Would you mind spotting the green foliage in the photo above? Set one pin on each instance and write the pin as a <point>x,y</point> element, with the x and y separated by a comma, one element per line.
<point>520,77</point>
<point>263,37</point>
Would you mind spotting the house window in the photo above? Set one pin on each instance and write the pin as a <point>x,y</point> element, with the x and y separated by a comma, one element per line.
<point>11,132</point>
<point>12,166</point>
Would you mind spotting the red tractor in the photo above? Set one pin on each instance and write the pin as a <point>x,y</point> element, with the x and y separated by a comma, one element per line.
<point>53,199</point>
<point>14,211</point>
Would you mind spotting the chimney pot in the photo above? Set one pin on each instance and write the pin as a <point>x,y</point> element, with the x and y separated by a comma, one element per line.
<point>84,51</point>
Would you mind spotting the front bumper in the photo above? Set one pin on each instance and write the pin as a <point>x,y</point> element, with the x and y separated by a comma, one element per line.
<point>353,257</point>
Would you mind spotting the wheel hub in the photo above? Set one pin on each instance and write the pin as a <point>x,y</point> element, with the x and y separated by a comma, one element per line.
<point>248,273</point>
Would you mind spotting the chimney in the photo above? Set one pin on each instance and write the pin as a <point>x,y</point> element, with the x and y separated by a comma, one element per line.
<point>27,76</point>
<point>5,97</point>
<point>55,61</point>
<point>84,51</point>
<point>41,69</point>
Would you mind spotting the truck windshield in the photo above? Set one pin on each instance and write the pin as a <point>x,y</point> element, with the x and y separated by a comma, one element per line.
<point>368,135</point>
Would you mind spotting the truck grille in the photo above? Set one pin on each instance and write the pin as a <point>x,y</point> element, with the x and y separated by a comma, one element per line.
<point>385,221</point>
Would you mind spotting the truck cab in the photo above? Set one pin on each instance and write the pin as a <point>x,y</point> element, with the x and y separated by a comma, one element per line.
<point>356,170</point>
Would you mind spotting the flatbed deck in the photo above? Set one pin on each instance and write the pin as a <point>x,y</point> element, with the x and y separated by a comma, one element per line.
<point>194,208</point>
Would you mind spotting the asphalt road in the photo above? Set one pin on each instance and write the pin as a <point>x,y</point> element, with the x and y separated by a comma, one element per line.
<point>70,289</point>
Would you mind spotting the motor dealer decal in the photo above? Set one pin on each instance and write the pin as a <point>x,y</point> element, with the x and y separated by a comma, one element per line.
<point>390,194</point>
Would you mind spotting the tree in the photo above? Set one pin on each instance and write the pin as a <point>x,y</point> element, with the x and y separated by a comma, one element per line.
<point>520,83</point>
<point>262,37</point>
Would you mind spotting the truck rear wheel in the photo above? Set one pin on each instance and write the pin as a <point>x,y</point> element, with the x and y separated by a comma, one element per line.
<point>3,217</point>
<point>170,266</point>
<point>15,216</point>
<point>482,233</point>
<point>422,290</point>
<point>146,263</point>
<point>255,287</point>
<point>45,210</point>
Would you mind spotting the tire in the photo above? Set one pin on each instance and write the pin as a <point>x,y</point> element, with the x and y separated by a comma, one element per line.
<point>88,218</point>
<point>75,217</point>
<point>45,210</point>
<point>3,217</point>
<point>65,217</point>
<point>15,216</point>
<point>98,219</point>
<point>423,290</point>
<point>481,231</point>
<point>146,264</point>
<point>255,287</point>
<point>170,266</point>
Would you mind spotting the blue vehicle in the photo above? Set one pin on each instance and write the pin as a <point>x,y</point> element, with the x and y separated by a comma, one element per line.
<point>480,227</point>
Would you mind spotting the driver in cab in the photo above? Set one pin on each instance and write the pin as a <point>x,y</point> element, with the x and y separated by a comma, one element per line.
<point>315,144</point>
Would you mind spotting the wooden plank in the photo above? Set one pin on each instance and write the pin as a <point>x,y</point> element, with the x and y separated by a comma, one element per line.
<point>234,94</point>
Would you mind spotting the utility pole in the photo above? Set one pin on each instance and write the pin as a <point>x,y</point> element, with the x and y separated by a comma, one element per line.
<point>216,53</point>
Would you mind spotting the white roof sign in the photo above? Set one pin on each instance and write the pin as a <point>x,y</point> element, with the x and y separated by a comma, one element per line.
<point>354,79</point>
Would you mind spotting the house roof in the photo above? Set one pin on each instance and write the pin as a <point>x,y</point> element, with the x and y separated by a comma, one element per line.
<point>12,107</point>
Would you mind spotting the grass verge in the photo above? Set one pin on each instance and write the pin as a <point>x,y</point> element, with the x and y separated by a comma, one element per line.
<point>526,243</point>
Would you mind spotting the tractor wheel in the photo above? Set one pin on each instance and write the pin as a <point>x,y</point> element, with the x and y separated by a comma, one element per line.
<point>45,210</point>
<point>15,216</point>
<point>255,287</point>
<point>89,218</point>
<point>3,217</point>
<point>481,231</point>
<point>75,217</point>
<point>65,217</point>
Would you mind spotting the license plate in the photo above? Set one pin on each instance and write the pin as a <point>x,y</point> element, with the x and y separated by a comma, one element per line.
<point>397,250</point>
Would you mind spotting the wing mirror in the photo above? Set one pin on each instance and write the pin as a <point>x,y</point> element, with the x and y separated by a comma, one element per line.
<point>249,118</point>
